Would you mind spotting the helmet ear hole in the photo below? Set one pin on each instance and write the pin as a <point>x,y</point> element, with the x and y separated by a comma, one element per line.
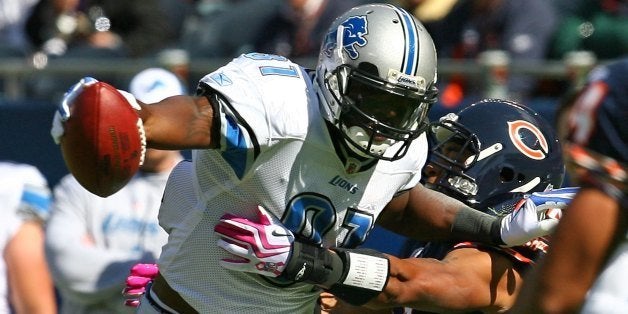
<point>507,174</point>
<point>369,68</point>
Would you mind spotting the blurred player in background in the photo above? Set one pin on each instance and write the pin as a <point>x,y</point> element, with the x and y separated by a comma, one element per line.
<point>93,241</point>
<point>488,155</point>
<point>26,285</point>
<point>326,151</point>
<point>587,268</point>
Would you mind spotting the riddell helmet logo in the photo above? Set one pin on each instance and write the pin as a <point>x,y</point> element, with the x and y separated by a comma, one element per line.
<point>514,129</point>
<point>353,31</point>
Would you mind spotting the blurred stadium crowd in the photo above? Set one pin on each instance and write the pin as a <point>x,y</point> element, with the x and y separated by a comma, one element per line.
<point>167,32</point>
<point>533,51</point>
<point>486,48</point>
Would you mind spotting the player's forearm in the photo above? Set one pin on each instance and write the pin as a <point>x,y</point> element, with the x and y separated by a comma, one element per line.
<point>432,285</point>
<point>179,122</point>
<point>405,287</point>
<point>433,216</point>
<point>421,214</point>
<point>429,285</point>
<point>355,276</point>
<point>372,279</point>
<point>31,286</point>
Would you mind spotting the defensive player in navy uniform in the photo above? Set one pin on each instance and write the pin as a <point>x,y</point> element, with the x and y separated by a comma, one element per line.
<point>587,269</point>
<point>328,152</point>
<point>480,155</point>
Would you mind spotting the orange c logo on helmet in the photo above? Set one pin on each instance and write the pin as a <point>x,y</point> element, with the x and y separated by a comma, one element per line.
<point>513,131</point>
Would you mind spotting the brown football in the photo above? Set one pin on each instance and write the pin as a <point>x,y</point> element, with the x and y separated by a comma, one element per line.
<point>102,144</point>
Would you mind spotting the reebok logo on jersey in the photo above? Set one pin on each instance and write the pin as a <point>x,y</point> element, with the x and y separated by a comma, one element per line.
<point>221,79</point>
<point>301,272</point>
<point>344,184</point>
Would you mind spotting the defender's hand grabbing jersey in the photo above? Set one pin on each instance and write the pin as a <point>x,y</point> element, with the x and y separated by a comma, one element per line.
<point>275,150</point>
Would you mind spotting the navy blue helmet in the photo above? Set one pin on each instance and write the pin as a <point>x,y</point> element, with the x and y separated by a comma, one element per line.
<point>492,150</point>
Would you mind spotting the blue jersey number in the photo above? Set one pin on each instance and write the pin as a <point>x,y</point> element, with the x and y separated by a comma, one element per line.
<point>312,215</point>
<point>290,71</point>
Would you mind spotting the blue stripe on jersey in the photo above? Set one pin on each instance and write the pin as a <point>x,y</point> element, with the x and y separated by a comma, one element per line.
<point>274,70</point>
<point>236,151</point>
<point>37,201</point>
<point>409,65</point>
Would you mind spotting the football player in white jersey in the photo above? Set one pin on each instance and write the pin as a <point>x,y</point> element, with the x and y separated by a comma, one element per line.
<point>495,145</point>
<point>25,282</point>
<point>328,152</point>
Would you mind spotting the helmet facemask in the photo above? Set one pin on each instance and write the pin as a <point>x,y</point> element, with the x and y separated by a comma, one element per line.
<point>453,150</point>
<point>375,114</point>
<point>516,152</point>
<point>376,75</point>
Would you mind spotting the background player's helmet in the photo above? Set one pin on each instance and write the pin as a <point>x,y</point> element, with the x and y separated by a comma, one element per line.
<point>376,73</point>
<point>492,149</point>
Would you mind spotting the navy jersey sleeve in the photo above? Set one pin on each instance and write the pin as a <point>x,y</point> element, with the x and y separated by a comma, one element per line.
<point>598,129</point>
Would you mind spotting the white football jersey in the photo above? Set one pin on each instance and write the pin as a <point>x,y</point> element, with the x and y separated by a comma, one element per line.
<point>24,195</point>
<point>122,230</point>
<point>275,150</point>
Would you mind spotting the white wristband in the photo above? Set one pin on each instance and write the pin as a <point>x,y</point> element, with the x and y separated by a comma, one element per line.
<point>366,271</point>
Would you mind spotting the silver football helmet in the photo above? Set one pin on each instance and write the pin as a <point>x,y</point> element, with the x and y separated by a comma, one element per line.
<point>377,73</point>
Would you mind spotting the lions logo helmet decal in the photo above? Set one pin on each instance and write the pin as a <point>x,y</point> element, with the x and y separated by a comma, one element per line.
<point>519,132</point>
<point>353,31</point>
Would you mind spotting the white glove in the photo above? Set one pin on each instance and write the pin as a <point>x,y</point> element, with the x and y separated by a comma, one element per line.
<point>63,111</point>
<point>535,216</point>
<point>264,246</point>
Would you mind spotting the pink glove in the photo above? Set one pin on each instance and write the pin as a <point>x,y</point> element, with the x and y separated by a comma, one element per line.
<point>139,277</point>
<point>264,246</point>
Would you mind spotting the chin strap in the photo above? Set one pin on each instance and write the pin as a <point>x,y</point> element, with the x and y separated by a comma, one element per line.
<point>359,136</point>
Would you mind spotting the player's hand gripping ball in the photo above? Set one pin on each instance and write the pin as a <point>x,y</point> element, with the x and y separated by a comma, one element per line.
<point>101,136</point>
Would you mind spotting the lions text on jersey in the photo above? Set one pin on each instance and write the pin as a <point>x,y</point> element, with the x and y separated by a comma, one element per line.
<point>275,150</point>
